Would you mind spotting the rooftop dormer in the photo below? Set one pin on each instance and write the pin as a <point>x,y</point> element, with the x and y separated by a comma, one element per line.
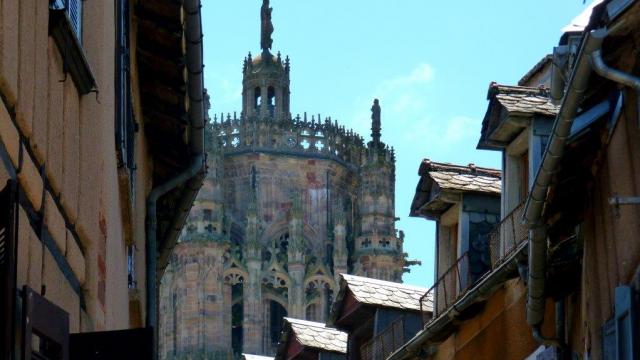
<point>465,202</point>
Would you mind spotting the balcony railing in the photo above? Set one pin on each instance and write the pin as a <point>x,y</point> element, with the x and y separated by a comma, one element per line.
<point>385,343</point>
<point>504,239</point>
<point>507,235</point>
<point>448,288</point>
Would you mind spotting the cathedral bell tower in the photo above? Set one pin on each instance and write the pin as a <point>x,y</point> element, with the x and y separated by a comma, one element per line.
<point>265,83</point>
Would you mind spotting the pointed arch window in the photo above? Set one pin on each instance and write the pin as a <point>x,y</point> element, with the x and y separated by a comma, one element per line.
<point>271,100</point>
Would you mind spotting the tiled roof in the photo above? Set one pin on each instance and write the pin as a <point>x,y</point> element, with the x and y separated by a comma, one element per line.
<point>523,100</point>
<point>318,335</point>
<point>256,357</point>
<point>385,293</point>
<point>462,178</point>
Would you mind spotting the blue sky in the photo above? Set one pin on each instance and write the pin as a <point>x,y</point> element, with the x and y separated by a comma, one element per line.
<point>429,63</point>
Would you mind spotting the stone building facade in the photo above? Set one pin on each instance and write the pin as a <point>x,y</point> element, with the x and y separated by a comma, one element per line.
<point>289,203</point>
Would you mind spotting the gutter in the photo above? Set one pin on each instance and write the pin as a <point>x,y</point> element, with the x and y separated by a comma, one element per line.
<point>191,177</point>
<point>550,163</point>
<point>590,58</point>
<point>615,75</point>
<point>481,290</point>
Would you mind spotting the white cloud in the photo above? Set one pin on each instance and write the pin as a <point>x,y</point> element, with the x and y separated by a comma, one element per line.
<point>421,74</point>
<point>408,119</point>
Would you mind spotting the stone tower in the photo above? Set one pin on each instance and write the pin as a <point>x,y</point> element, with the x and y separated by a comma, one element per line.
<point>288,204</point>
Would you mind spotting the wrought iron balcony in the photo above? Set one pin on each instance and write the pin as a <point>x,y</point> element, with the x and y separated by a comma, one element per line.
<point>385,343</point>
<point>448,288</point>
<point>507,235</point>
<point>504,239</point>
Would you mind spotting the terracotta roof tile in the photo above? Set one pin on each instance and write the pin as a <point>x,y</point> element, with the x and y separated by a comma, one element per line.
<point>318,335</point>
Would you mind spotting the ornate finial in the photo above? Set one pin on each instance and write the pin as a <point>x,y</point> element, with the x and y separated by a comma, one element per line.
<point>375,121</point>
<point>267,27</point>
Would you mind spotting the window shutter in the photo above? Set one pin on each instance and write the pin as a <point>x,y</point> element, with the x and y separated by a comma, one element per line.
<point>609,340</point>
<point>8,262</point>
<point>125,121</point>
<point>625,324</point>
<point>45,328</point>
<point>74,10</point>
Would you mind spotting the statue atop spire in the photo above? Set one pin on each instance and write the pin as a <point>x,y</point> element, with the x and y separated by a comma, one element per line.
<point>267,27</point>
<point>375,121</point>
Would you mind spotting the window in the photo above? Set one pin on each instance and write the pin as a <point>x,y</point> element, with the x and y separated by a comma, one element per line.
<point>8,259</point>
<point>126,126</point>
<point>65,26</point>
<point>277,312</point>
<point>207,215</point>
<point>523,165</point>
<point>237,317</point>
<point>46,334</point>
<point>131,266</point>
<point>257,98</point>
<point>73,11</point>
<point>271,104</point>
<point>620,334</point>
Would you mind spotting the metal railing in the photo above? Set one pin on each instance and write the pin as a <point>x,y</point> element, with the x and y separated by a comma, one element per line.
<point>504,239</point>
<point>507,235</point>
<point>448,288</point>
<point>385,343</point>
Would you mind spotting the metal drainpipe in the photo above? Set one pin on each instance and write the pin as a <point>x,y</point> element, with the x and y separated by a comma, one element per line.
<point>550,162</point>
<point>193,174</point>
<point>601,68</point>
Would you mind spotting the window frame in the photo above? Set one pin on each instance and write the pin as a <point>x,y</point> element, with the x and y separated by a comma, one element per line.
<point>125,123</point>
<point>68,37</point>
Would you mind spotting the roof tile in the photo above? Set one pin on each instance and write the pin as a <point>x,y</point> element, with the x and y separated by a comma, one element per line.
<point>318,335</point>
<point>385,293</point>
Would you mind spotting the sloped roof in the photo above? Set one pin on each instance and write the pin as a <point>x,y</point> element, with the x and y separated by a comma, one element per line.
<point>442,185</point>
<point>509,109</point>
<point>523,100</point>
<point>256,357</point>
<point>317,335</point>
<point>384,293</point>
<point>469,178</point>
<point>535,69</point>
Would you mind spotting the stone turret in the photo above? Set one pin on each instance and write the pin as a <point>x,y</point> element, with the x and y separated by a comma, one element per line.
<point>379,251</point>
<point>265,86</point>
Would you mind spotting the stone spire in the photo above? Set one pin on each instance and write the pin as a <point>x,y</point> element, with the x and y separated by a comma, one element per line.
<point>375,121</point>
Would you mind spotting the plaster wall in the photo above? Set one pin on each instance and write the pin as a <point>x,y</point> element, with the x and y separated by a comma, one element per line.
<point>499,331</point>
<point>62,144</point>
<point>611,250</point>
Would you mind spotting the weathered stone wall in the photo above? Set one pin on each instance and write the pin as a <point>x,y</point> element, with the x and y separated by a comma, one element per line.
<point>290,203</point>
